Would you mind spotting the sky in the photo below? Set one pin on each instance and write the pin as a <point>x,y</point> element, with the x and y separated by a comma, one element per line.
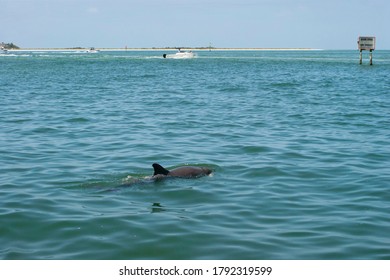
<point>323,24</point>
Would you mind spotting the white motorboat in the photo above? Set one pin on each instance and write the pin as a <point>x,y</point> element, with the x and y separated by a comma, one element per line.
<point>180,55</point>
<point>92,50</point>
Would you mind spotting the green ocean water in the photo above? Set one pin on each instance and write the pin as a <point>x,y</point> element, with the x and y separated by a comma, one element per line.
<point>299,142</point>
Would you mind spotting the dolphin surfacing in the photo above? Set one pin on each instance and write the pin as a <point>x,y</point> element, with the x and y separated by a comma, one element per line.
<point>181,172</point>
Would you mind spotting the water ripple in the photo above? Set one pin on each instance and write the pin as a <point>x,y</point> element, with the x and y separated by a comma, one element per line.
<point>298,144</point>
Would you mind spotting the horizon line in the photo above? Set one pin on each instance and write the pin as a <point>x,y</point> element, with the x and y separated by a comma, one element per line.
<point>161,48</point>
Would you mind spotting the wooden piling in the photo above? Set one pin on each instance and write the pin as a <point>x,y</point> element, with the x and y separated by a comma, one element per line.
<point>370,57</point>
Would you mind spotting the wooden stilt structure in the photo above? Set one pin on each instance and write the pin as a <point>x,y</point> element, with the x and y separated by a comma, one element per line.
<point>366,44</point>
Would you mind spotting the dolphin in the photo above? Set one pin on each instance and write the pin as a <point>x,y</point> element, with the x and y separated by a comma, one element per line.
<point>181,172</point>
<point>162,173</point>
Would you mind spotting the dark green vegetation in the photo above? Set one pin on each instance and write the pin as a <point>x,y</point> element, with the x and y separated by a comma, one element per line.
<point>9,46</point>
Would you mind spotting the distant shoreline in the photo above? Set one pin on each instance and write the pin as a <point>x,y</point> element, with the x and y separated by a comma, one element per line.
<point>168,49</point>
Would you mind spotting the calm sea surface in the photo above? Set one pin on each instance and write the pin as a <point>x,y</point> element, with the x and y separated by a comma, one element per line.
<point>299,142</point>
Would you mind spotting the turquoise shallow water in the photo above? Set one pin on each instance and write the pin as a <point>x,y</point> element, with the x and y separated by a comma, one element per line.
<point>299,142</point>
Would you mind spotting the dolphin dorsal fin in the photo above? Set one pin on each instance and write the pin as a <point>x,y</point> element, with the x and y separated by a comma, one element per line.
<point>158,169</point>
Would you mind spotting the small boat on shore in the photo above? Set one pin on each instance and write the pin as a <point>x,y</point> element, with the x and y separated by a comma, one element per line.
<point>3,50</point>
<point>180,55</point>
